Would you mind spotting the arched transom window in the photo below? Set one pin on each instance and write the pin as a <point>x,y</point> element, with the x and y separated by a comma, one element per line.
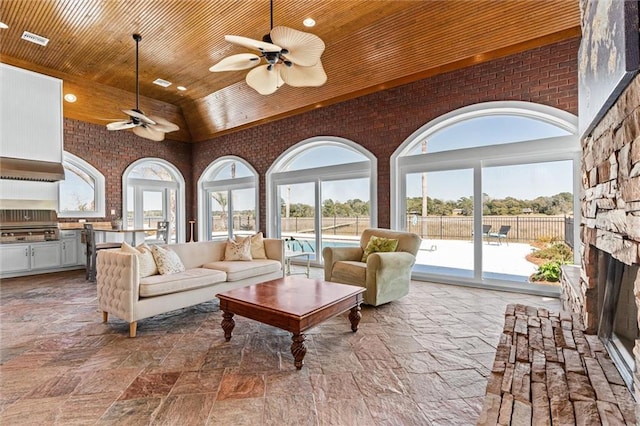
<point>81,193</point>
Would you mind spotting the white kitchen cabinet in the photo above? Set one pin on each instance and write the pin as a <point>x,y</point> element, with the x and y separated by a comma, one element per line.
<point>20,258</point>
<point>15,258</point>
<point>69,248</point>
<point>45,255</point>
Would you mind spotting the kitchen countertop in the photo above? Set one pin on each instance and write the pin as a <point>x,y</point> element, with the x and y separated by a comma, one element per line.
<point>64,226</point>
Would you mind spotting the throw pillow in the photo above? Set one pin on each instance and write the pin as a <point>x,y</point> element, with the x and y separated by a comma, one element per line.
<point>257,245</point>
<point>238,250</point>
<point>379,245</point>
<point>168,261</point>
<point>146,262</point>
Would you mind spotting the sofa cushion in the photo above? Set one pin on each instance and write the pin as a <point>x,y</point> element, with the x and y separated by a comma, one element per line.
<point>257,245</point>
<point>157,285</point>
<point>378,245</point>
<point>350,272</point>
<point>146,262</point>
<point>238,250</point>
<point>167,260</point>
<point>237,271</point>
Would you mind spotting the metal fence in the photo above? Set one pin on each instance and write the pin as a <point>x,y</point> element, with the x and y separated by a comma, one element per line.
<point>330,225</point>
<point>522,228</point>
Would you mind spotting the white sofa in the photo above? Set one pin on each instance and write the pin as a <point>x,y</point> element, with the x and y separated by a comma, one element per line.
<point>121,292</point>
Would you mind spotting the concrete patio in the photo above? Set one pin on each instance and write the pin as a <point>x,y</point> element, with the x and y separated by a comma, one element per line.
<point>497,258</point>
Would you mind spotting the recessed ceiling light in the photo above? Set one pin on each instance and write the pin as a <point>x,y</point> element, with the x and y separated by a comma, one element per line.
<point>70,97</point>
<point>3,25</point>
<point>181,88</point>
<point>309,22</point>
<point>161,82</point>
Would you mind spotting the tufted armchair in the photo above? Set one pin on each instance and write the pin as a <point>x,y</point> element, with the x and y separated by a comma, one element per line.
<point>385,275</point>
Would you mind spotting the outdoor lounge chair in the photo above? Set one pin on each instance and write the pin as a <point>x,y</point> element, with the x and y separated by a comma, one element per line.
<point>485,231</point>
<point>501,234</point>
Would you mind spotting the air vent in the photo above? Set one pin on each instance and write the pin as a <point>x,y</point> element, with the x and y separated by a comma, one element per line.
<point>35,38</point>
<point>161,82</point>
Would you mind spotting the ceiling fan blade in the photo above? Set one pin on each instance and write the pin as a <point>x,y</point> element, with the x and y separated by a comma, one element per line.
<point>264,81</point>
<point>252,44</point>
<point>304,48</point>
<point>121,125</point>
<point>298,76</point>
<point>139,115</point>
<point>163,125</point>
<point>148,133</point>
<point>238,62</point>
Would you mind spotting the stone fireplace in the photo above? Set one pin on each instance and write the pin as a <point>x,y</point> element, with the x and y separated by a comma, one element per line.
<point>605,290</point>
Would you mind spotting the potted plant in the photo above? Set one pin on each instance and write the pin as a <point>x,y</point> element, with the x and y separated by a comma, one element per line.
<point>116,223</point>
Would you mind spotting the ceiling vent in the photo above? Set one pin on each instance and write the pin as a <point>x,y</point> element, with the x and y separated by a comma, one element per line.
<point>34,38</point>
<point>161,82</point>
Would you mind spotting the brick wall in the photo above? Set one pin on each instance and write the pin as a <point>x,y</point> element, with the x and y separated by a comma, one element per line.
<point>380,122</point>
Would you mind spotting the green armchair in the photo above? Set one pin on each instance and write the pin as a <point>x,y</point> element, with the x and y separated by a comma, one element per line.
<point>385,275</point>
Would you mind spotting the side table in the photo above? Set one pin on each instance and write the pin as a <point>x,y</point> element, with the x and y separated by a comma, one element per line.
<point>288,255</point>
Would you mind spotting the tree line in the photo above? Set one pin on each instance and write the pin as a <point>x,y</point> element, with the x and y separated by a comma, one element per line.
<point>561,203</point>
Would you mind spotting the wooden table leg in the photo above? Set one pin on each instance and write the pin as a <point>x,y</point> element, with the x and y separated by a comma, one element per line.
<point>354,317</point>
<point>227,324</point>
<point>298,350</point>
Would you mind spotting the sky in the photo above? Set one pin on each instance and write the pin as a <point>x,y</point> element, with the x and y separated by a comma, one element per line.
<point>524,182</point>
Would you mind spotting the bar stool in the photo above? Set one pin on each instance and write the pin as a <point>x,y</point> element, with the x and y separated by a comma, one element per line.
<point>162,232</point>
<point>92,250</point>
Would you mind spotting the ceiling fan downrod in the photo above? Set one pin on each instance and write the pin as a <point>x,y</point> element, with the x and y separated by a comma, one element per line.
<point>137,38</point>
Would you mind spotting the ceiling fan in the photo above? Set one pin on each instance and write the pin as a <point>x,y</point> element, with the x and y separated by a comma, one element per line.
<point>292,56</point>
<point>150,127</point>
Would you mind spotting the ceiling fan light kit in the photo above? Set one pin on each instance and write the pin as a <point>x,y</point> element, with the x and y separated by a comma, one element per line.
<point>292,57</point>
<point>148,127</point>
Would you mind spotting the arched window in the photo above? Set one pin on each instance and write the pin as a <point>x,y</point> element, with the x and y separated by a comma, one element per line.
<point>81,193</point>
<point>485,186</point>
<point>154,192</point>
<point>322,192</point>
<point>228,199</point>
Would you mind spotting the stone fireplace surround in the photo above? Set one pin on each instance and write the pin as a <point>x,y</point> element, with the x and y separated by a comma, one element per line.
<point>610,208</point>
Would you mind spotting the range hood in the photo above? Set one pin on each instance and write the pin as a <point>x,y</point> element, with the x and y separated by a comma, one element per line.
<point>33,170</point>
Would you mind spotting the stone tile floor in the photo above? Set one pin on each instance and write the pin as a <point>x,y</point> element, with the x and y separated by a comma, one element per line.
<point>422,360</point>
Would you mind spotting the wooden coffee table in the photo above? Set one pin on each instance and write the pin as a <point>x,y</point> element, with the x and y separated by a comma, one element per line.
<point>295,304</point>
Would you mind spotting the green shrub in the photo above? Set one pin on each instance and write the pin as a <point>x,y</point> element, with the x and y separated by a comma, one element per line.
<point>549,271</point>
<point>559,252</point>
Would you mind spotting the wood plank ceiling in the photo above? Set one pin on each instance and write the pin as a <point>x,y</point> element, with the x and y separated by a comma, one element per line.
<point>370,45</point>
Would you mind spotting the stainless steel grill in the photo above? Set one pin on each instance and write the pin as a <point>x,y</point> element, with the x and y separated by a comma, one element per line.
<point>28,225</point>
